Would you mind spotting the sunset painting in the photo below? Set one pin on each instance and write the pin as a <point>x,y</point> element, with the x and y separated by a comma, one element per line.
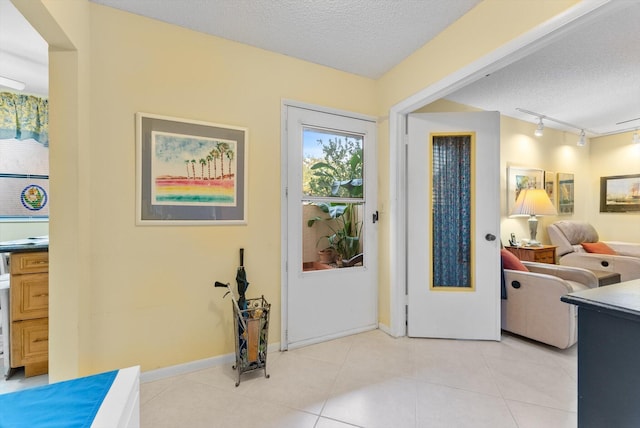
<point>193,170</point>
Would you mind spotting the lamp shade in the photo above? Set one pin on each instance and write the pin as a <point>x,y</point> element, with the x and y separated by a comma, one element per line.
<point>533,202</point>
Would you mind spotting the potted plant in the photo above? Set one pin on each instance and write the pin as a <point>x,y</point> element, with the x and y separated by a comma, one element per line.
<point>345,227</point>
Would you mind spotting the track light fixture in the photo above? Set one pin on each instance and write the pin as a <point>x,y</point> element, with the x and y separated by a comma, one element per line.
<point>540,129</point>
<point>583,139</point>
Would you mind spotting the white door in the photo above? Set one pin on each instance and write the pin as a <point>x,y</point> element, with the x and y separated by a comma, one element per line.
<point>453,266</point>
<point>330,178</point>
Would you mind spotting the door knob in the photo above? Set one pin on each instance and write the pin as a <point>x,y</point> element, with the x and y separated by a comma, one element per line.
<point>490,237</point>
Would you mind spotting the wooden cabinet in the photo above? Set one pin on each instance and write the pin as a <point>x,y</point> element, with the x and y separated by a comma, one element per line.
<point>29,306</point>
<point>542,254</point>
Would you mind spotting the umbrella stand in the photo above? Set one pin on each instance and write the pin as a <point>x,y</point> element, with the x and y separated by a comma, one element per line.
<point>251,326</point>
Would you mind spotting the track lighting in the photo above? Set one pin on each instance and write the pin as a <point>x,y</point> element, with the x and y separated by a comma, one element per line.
<point>540,129</point>
<point>583,138</point>
<point>10,83</point>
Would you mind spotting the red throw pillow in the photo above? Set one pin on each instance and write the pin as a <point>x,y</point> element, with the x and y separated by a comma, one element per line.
<point>598,248</point>
<point>511,262</point>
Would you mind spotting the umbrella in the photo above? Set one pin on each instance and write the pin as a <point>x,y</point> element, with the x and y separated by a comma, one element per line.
<point>243,284</point>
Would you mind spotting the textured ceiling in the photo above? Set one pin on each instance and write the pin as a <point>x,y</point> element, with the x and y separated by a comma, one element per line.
<point>589,77</point>
<point>365,37</point>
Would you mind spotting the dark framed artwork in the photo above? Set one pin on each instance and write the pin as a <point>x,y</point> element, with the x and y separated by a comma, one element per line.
<point>190,172</point>
<point>620,193</point>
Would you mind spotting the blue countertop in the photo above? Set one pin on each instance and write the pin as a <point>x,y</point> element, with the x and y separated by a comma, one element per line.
<point>40,243</point>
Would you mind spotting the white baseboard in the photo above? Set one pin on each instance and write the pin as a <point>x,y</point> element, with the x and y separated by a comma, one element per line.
<point>194,366</point>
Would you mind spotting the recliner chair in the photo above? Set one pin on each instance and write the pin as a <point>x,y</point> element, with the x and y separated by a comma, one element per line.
<point>570,236</point>
<point>533,308</point>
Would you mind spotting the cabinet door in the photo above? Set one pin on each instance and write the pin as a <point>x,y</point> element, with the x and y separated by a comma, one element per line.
<point>29,296</point>
<point>29,342</point>
<point>21,263</point>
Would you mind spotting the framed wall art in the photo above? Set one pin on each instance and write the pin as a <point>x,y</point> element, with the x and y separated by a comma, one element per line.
<point>521,178</point>
<point>620,193</point>
<point>565,194</point>
<point>190,172</point>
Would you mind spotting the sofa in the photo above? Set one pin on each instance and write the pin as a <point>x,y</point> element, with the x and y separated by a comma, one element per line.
<point>579,246</point>
<point>531,305</point>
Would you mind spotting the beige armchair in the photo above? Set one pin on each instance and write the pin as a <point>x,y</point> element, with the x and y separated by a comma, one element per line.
<point>532,307</point>
<point>570,236</point>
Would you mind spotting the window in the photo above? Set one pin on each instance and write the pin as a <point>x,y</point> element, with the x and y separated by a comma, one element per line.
<point>24,158</point>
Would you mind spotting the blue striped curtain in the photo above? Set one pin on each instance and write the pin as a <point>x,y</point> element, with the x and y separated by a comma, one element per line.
<point>451,211</point>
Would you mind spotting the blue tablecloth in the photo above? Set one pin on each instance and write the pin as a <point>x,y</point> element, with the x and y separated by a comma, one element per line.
<point>69,404</point>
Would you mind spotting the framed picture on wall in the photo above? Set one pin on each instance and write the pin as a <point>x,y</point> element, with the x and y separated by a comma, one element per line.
<point>620,193</point>
<point>190,172</point>
<point>521,178</point>
<point>565,193</point>
<point>550,186</point>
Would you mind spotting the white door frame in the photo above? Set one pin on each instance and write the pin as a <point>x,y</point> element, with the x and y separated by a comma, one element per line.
<point>516,49</point>
<point>284,218</point>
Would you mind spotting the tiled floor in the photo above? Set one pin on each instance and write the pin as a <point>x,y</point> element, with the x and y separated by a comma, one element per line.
<point>373,380</point>
<point>17,381</point>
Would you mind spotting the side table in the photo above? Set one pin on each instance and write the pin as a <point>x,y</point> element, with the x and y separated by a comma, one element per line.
<point>606,277</point>
<point>541,254</point>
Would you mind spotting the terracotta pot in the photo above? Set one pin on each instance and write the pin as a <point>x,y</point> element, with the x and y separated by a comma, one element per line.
<point>327,255</point>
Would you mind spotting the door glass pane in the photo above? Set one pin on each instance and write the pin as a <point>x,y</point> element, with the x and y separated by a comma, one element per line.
<point>451,211</point>
<point>333,199</point>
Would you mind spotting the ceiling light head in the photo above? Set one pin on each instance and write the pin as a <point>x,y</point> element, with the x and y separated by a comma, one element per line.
<point>11,83</point>
<point>583,139</point>
<point>540,129</point>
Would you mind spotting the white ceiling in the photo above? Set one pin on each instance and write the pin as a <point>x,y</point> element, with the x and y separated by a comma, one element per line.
<point>23,53</point>
<point>590,77</point>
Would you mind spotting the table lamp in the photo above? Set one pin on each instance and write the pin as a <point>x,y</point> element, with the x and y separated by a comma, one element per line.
<point>533,203</point>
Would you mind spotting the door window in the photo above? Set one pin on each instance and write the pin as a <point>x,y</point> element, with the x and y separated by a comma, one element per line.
<point>451,210</point>
<point>332,199</point>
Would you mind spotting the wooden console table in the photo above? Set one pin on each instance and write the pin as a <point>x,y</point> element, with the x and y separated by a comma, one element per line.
<point>608,349</point>
<point>542,254</point>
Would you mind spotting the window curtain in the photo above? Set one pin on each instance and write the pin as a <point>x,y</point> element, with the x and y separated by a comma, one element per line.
<point>451,211</point>
<point>23,117</point>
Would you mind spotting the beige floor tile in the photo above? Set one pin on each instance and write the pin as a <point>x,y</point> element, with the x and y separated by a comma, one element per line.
<point>334,351</point>
<point>256,413</point>
<point>445,407</point>
<point>372,400</point>
<point>534,383</point>
<point>531,416</point>
<point>187,403</point>
<point>372,380</point>
<point>449,364</point>
<point>295,381</point>
<point>330,423</point>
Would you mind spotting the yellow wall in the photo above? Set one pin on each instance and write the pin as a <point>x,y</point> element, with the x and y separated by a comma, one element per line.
<point>124,295</point>
<point>613,155</point>
<point>554,152</point>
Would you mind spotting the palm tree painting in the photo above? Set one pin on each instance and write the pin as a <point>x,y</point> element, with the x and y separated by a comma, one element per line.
<point>171,152</point>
